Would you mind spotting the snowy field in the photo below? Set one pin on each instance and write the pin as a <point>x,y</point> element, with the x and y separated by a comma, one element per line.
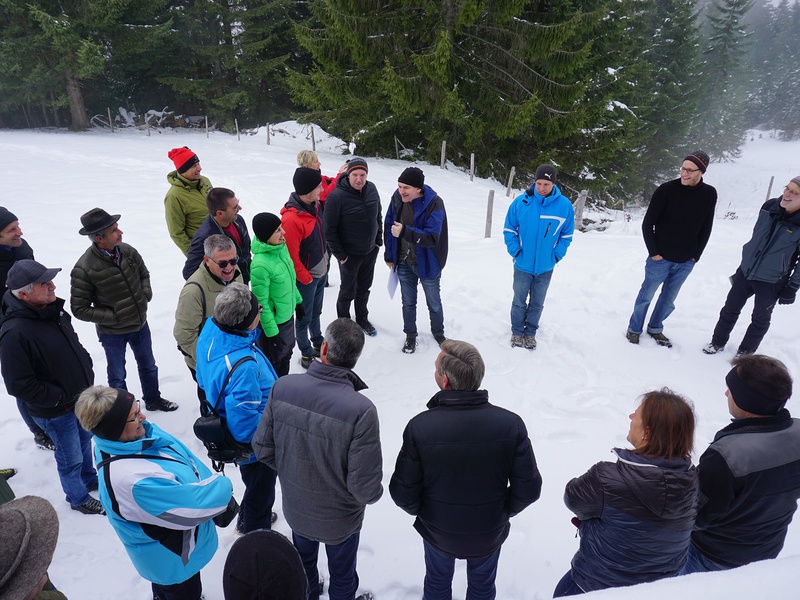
<point>575,391</point>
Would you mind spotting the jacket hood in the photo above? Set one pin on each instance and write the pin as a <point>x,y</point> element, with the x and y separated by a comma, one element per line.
<point>294,203</point>
<point>153,440</point>
<point>551,197</point>
<point>259,247</point>
<point>336,374</point>
<point>14,308</point>
<point>220,342</point>
<point>174,178</point>
<point>459,398</point>
<point>675,480</point>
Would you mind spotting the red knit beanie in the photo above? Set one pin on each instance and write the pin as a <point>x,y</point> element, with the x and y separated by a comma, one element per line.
<point>183,158</point>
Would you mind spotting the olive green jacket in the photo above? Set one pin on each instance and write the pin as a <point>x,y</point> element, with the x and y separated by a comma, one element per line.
<point>185,207</point>
<point>113,297</point>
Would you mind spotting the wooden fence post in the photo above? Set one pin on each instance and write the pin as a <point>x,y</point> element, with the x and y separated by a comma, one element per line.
<point>489,210</point>
<point>206,125</point>
<point>268,134</point>
<point>580,204</point>
<point>471,166</point>
<point>313,141</point>
<point>396,148</point>
<point>238,137</point>
<point>769,189</point>
<point>147,126</point>
<point>444,148</point>
<point>110,122</point>
<point>510,180</point>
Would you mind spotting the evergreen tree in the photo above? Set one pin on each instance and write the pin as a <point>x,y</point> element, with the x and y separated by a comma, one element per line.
<point>721,125</point>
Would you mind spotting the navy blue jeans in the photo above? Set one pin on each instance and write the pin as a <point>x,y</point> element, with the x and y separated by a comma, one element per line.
<point>259,496</point>
<point>73,455</point>
<point>567,587</point>
<point>409,278</point>
<point>308,327</point>
<point>115,345</point>
<point>525,314</point>
<point>699,563</point>
<point>25,413</point>
<point>341,566</point>
<point>439,569</point>
<point>671,277</point>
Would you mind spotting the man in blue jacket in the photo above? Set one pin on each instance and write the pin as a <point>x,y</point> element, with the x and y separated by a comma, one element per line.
<point>538,231</point>
<point>415,234</point>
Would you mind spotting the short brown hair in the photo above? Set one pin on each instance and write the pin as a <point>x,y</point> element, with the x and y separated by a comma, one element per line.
<point>217,199</point>
<point>669,421</point>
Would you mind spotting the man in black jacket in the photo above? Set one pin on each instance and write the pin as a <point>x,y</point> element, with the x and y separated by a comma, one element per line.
<point>45,366</point>
<point>223,218</point>
<point>12,249</point>
<point>750,474</point>
<point>466,467</point>
<point>768,271</point>
<point>354,232</point>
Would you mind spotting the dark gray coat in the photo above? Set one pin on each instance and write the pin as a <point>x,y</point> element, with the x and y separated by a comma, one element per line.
<point>772,252</point>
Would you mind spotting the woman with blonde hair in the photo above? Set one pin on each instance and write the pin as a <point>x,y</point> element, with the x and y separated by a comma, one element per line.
<point>635,515</point>
<point>310,159</point>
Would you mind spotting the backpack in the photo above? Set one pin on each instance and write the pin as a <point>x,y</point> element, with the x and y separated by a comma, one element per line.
<point>212,429</point>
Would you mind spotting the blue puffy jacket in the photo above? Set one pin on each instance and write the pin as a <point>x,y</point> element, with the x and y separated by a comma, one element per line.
<point>538,230</point>
<point>429,233</point>
<point>161,509</point>
<point>218,349</point>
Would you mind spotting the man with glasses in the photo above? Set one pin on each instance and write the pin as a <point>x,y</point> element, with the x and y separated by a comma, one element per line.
<point>768,271</point>
<point>199,296</point>
<point>676,229</point>
<point>45,366</point>
<point>223,218</point>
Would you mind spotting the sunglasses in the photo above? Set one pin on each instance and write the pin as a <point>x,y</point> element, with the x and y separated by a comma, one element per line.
<point>224,263</point>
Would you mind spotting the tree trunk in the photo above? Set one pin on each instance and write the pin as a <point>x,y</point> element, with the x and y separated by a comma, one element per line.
<point>77,110</point>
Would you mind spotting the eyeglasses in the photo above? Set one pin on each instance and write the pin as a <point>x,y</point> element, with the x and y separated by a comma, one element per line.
<point>224,263</point>
<point>689,171</point>
<point>136,414</point>
<point>794,193</point>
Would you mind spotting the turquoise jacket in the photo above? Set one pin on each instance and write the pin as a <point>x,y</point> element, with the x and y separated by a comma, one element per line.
<point>161,509</point>
<point>274,283</point>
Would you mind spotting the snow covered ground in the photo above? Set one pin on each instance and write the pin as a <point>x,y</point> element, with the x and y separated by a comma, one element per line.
<point>574,392</point>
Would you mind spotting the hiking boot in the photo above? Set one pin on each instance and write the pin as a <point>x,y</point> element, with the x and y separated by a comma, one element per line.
<point>7,473</point>
<point>633,338</point>
<point>160,404</point>
<point>305,361</point>
<point>529,342</point>
<point>315,350</point>
<point>741,352</point>
<point>710,348</point>
<point>661,339</point>
<point>410,344</point>
<point>365,596</point>
<point>43,441</point>
<point>439,337</point>
<point>240,523</point>
<point>367,327</point>
<point>90,507</point>
<point>516,341</point>
<point>272,518</point>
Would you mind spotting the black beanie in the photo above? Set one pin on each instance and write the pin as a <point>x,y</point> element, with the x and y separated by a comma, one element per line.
<point>265,224</point>
<point>412,176</point>
<point>113,422</point>
<point>6,217</point>
<point>699,158</point>
<point>356,163</point>
<point>264,564</point>
<point>306,180</point>
<point>545,171</point>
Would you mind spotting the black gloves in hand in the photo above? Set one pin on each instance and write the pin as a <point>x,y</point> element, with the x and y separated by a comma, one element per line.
<point>300,311</point>
<point>787,295</point>
<point>224,518</point>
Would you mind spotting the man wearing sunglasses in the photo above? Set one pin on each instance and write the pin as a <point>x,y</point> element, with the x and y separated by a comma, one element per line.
<point>199,296</point>
<point>223,218</point>
<point>676,229</point>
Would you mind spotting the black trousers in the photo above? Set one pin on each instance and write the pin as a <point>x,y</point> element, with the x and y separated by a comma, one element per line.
<point>191,589</point>
<point>766,295</point>
<point>356,274</point>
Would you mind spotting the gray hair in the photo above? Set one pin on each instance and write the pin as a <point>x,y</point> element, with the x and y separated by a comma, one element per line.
<point>463,365</point>
<point>306,157</point>
<point>345,342</point>
<point>217,243</point>
<point>93,404</point>
<point>25,289</point>
<point>233,304</point>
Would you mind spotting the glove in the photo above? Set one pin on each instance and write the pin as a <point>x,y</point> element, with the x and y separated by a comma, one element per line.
<point>224,518</point>
<point>300,311</point>
<point>787,295</point>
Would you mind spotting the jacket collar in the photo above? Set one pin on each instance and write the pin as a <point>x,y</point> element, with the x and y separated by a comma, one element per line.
<point>337,374</point>
<point>459,398</point>
<point>778,422</point>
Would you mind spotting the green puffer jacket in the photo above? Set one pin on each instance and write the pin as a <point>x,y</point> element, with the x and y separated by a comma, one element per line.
<point>185,207</point>
<point>273,280</point>
<point>112,297</point>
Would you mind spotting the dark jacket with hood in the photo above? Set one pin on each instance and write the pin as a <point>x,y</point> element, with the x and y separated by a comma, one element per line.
<point>465,468</point>
<point>43,363</point>
<point>210,227</point>
<point>772,252</point>
<point>636,520</point>
<point>749,484</point>
<point>352,219</point>
<point>428,235</point>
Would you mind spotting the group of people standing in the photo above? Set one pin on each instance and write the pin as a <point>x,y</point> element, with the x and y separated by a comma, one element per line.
<point>466,466</point>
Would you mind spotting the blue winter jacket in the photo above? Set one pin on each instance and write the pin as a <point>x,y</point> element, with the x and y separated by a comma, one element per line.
<point>161,510</point>
<point>429,233</point>
<point>538,230</point>
<point>218,349</point>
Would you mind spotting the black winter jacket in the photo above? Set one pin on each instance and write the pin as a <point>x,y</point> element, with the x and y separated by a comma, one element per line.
<point>466,467</point>
<point>8,256</point>
<point>352,219</point>
<point>636,520</point>
<point>749,484</point>
<point>771,254</point>
<point>210,227</point>
<point>43,363</point>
